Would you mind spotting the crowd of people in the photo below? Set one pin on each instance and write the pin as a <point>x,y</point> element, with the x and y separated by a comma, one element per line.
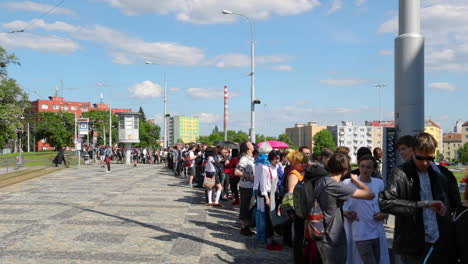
<point>341,216</point>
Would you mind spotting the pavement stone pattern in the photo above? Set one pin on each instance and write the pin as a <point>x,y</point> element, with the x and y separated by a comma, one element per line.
<point>137,214</point>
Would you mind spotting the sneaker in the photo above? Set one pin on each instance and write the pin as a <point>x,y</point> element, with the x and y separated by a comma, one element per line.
<point>210,204</point>
<point>108,171</point>
<point>274,246</point>
<point>218,205</point>
<point>246,232</point>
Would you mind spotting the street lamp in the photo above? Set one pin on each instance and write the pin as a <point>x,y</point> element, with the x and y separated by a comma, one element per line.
<point>165,106</point>
<point>110,114</point>
<point>253,101</point>
<point>380,86</point>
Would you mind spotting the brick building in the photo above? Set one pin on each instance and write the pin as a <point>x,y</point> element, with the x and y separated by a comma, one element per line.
<point>57,104</point>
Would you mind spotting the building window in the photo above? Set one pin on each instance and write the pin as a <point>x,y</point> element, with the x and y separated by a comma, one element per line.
<point>84,108</point>
<point>65,108</point>
<point>45,106</point>
<point>55,107</point>
<point>73,107</point>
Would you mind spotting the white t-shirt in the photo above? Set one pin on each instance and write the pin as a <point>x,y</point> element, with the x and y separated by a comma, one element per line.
<point>192,158</point>
<point>246,165</point>
<point>366,228</point>
<point>209,166</point>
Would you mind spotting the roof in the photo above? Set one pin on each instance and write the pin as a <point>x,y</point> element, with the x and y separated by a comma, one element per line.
<point>431,123</point>
<point>465,124</point>
<point>452,137</point>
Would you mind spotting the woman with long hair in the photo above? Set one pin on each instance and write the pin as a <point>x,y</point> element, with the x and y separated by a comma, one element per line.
<point>245,170</point>
<point>210,172</point>
<point>233,179</point>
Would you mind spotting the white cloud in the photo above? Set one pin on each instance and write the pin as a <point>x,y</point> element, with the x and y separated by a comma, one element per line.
<point>443,86</point>
<point>124,49</point>
<point>209,117</point>
<point>38,7</point>
<point>342,82</point>
<point>145,89</point>
<point>446,37</point>
<point>209,11</point>
<point>207,93</point>
<point>360,2</point>
<point>337,4</point>
<point>385,52</point>
<point>242,60</point>
<point>43,43</point>
<point>282,68</point>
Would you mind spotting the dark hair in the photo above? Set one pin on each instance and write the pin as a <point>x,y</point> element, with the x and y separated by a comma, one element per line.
<point>326,152</point>
<point>303,147</point>
<point>210,151</point>
<point>234,153</point>
<point>363,151</point>
<point>338,164</point>
<point>342,149</point>
<point>274,154</point>
<point>368,157</point>
<point>375,150</point>
<point>243,147</point>
<point>405,140</point>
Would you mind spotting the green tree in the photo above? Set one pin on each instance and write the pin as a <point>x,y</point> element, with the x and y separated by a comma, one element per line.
<point>56,128</point>
<point>239,136</point>
<point>323,139</point>
<point>463,153</point>
<point>99,121</point>
<point>286,139</point>
<point>13,100</point>
<point>149,134</point>
<point>142,116</point>
<point>215,129</point>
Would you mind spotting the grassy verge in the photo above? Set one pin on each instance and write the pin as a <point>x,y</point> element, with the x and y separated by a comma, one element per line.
<point>14,177</point>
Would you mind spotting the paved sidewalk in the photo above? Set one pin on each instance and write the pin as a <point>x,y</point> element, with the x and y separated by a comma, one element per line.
<point>132,215</point>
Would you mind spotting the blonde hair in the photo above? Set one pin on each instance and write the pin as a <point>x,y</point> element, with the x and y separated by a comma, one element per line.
<point>425,142</point>
<point>297,157</point>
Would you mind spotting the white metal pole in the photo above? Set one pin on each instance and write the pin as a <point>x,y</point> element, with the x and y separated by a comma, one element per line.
<point>409,71</point>
<point>110,119</point>
<point>252,83</point>
<point>165,112</point>
<point>29,149</point>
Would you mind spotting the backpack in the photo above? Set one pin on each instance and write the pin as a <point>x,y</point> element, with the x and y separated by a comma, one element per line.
<point>306,205</point>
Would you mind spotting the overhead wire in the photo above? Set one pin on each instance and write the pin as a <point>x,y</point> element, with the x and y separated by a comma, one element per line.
<point>41,16</point>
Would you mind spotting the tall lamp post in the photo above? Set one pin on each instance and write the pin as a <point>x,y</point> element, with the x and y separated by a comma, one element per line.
<point>110,115</point>
<point>253,101</point>
<point>380,86</point>
<point>165,106</point>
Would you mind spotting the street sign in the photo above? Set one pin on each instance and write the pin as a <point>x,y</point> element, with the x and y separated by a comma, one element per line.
<point>83,125</point>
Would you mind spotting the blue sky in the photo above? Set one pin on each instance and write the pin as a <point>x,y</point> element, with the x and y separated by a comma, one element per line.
<point>316,60</point>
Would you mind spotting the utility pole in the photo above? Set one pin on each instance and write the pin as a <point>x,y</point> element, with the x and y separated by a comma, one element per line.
<point>29,150</point>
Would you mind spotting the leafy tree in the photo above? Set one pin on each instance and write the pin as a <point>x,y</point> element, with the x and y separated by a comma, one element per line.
<point>142,116</point>
<point>99,121</point>
<point>239,136</point>
<point>13,100</point>
<point>56,128</point>
<point>215,129</point>
<point>463,153</point>
<point>149,134</point>
<point>323,139</point>
<point>286,139</point>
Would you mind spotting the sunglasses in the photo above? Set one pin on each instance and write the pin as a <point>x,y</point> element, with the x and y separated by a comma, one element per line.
<point>424,158</point>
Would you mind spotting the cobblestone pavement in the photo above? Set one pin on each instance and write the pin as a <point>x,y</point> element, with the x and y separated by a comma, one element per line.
<point>132,215</point>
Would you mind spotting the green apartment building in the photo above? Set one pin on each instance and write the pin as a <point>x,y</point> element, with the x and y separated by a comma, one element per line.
<point>183,128</point>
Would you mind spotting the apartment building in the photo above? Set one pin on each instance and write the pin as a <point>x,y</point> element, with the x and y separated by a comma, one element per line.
<point>303,134</point>
<point>452,142</point>
<point>183,129</point>
<point>353,137</point>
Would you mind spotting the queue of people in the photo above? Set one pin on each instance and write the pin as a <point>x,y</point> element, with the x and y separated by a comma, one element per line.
<point>353,204</point>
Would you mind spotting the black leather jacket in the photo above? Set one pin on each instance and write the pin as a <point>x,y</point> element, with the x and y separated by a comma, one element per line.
<point>399,198</point>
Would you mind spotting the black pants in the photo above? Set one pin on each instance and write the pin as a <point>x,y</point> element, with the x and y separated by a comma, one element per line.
<point>298,241</point>
<point>108,166</point>
<point>269,231</point>
<point>234,182</point>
